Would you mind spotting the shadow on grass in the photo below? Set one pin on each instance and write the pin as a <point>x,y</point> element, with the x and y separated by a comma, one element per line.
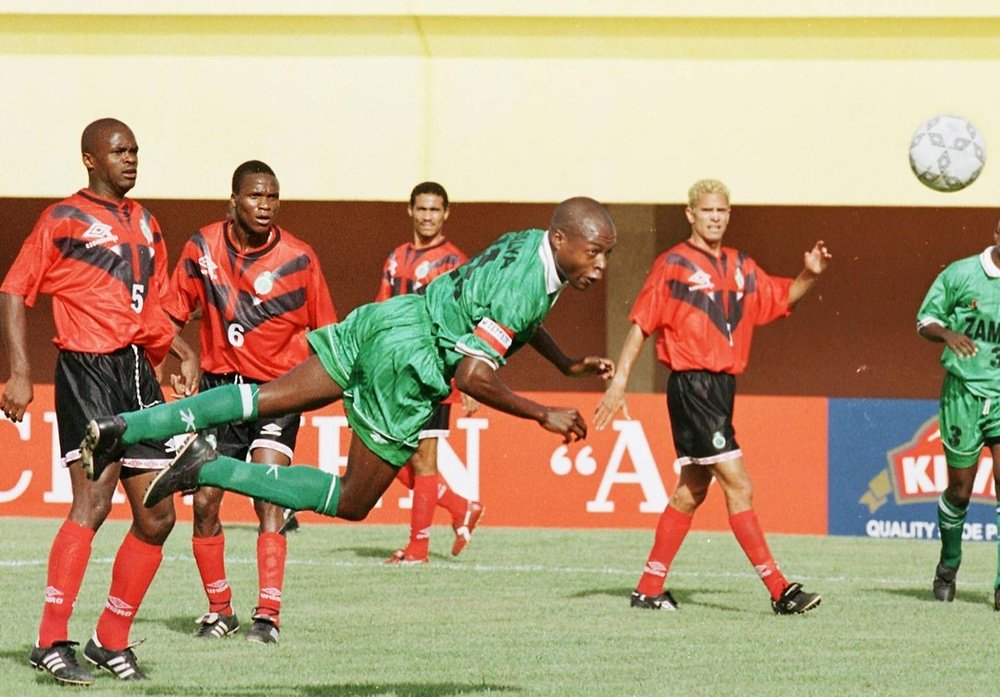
<point>179,624</point>
<point>404,689</point>
<point>683,598</point>
<point>924,595</point>
<point>382,553</point>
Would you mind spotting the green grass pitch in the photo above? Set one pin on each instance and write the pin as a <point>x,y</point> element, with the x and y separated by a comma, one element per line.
<point>530,612</point>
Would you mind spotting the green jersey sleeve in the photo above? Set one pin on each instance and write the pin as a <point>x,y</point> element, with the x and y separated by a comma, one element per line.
<point>492,305</point>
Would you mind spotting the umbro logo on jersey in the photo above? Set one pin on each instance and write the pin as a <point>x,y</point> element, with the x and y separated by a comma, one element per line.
<point>99,234</point>
<point>119,607</point>
<point>53,595</point>
<point>700,281</point>
<point>273,430</point>
<point>207,267</point>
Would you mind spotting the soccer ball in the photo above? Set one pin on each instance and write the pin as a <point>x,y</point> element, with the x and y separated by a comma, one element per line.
<point>947,153</point>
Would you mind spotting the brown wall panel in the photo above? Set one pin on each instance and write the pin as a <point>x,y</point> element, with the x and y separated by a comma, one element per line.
<point>854,336</point>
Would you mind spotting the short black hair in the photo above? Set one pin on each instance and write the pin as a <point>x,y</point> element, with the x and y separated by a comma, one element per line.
<point>250,167</point>
<point>428,188</point>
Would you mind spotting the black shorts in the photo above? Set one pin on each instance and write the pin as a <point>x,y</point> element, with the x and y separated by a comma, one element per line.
<point>700,404</point>
<point>240,439</point>
<point>88,385</point>
<point>439,425</point>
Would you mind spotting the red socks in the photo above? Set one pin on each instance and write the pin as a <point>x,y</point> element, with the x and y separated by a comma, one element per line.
<point>210,556</point>
<point>68,558</point>
<point>751,539</point>
<point>405,476</point>
<point>671,530</point>
<point>455,504</point>
<point>133,571</point>
<point>425,489</point>
<point>272,549</point>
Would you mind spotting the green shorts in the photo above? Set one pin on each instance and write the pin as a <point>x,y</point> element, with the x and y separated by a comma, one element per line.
<point>968,422</point>
<point>385,357</point>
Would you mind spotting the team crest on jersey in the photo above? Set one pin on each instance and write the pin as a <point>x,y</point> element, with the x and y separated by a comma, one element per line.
<point>146,232</point>
<point>207,266</point>
<point>99,234</point>
<point>700,280</point>
<point>422,270</point>
<point>264,283</point>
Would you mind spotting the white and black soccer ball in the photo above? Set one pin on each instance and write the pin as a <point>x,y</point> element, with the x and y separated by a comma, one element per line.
<point>947,153</point>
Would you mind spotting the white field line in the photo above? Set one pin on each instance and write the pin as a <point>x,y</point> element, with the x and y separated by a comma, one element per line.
<point>632,573</point>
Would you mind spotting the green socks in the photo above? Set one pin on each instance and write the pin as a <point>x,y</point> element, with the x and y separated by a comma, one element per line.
<point>951,523</point>
<point>299,487</point>
<point>214,407</point>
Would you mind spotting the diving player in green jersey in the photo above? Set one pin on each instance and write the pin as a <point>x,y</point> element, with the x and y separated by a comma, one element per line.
<point>391,363</point>
<point>962,310</point>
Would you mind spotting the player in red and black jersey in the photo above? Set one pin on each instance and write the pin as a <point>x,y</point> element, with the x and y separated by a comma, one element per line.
<point>706,299</point>
<point>259,289</point>
<point>102,258</point>
<point>408,269</point>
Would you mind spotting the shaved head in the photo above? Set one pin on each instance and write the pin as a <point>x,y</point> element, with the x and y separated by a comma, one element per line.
<point>582,216</point>
<point>97,132</point>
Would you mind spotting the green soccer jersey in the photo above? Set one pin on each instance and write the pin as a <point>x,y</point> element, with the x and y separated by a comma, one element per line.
<point>965,298</point>
<point>492,305</point>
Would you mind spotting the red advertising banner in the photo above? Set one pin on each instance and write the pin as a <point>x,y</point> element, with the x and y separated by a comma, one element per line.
<point>617,478</point>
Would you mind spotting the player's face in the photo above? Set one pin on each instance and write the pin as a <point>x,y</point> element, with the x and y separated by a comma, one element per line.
<point>582,258</point>
<point>428,214</point>
<point>255,205</point>
<point>709,218</point>
<point>113,164</point>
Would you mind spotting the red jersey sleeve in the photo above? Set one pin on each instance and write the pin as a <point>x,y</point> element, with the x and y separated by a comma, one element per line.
<point>185,295</point>
<point>321,309</point>
<point>385,285</point>
<point>649,310</point>
<point>27,274</point>
<point>769,301</point>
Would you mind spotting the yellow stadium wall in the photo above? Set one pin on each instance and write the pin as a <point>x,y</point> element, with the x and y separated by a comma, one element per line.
<point>790,102</point>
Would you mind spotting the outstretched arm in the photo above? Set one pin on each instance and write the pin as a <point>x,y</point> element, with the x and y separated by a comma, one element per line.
<point>543,342</point>
<point>815,262</point>
<point>614,396</point>
<point>18,391</point>
<point>478,380</point>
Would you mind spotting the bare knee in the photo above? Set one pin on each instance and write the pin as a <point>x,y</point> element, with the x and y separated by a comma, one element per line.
<point>207,502</point>
<point>153,526</point>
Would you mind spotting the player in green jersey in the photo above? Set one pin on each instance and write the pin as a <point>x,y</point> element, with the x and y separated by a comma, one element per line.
<point>962,310</point>
<point>391,363</point>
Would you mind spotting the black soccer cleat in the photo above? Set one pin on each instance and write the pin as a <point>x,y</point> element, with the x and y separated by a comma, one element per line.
<point>60,660</point>
<point>794,601</point>
<point>290,524</point>
<point>663,601</point>
<point>944,583</point>
<point>121,664</point>
<point>264,630</point>
<point>182,474</point>
<point>102,444</point>
<point>215,626</point>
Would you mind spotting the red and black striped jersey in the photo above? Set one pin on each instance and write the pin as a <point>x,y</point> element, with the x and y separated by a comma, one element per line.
<point>409,270</point>
<point>257,305</point>
<point>707,307</point>
<point>105,266</point>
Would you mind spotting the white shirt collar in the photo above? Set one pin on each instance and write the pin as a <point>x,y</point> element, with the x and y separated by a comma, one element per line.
<point>989,266</point>
<point>552,282</point>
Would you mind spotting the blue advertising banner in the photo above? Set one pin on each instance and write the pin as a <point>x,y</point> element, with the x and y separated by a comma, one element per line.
<point>887,470</point>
